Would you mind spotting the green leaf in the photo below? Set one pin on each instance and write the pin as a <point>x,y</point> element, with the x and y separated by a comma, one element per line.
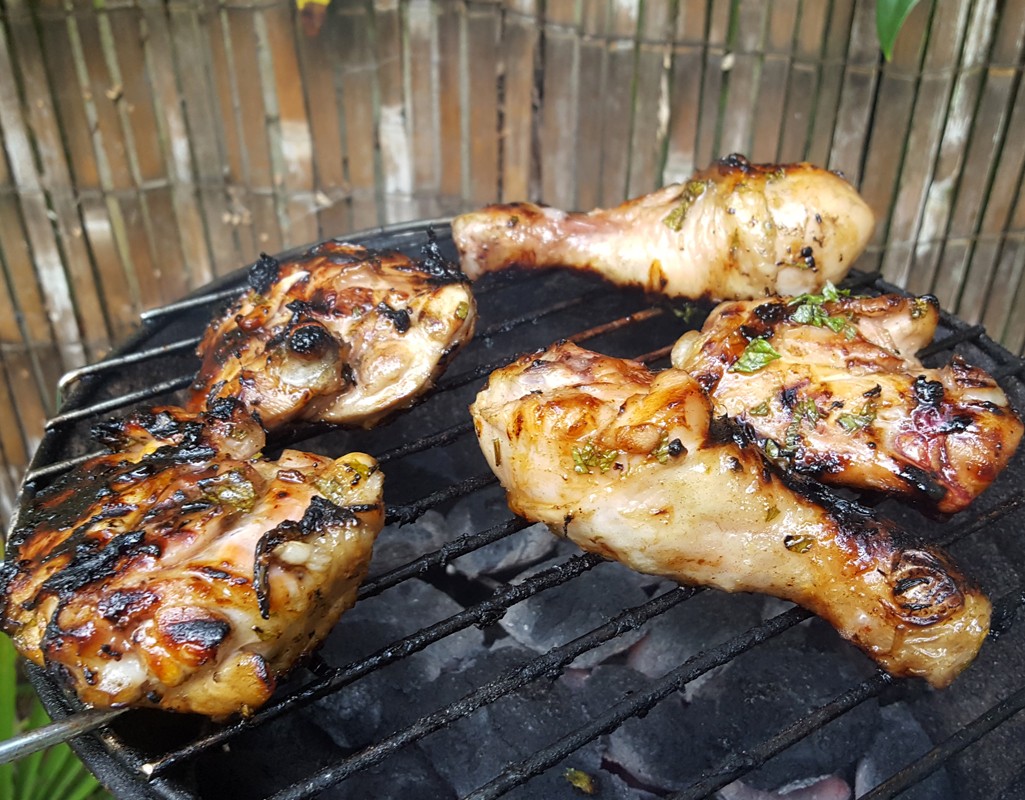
<point>59,770</point>
<point>29,767</point>
<point>8,719</point>
<point>890,16</point>
<point>756,355</point>
<point>85,788</point>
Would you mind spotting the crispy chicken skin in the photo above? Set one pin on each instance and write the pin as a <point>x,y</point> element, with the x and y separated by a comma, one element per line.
<point>183,571</point>
<point>735,230</point>
<point>625,464</point>
<point>848,402</point>
<point>342,335</point>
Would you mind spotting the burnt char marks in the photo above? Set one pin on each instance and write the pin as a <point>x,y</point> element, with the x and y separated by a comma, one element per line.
<point>92,562</point>
<point>320,515</point>
<point>735,162</point>
<point>439,268</point>
<point>771,313</point>
<point>737,166</point>
<point>927,393</point>
<point>311,340</point>
<point>399,317</point>
<point>60,506</point>
<point>204,634</point>
<point>224,408</point>
<point>120,606</point>
<point>263,274</point>
<point>926,587</point>
<point>815,463</point>
<point>922,481</point>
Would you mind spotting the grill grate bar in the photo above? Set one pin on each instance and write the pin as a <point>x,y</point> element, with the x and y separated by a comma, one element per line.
<point>119,402</point>
<point>636,704</point>
<point>484,370</point>
<point>940,754</point>
<point>484,613</point>
<point>552,662</point>
<point>126,360</point>
<point>439,439</point>
<point>179,383</point>
<point>512,323</point>
<point>739,764</point>
<point>58,467</point>
<point>440,557</point>
<point>406,514</point>
<point>193,302</point>
<point>1010,503</point>
<point>1014,370</point>
<point>655,355</point>
<point>950,342</point>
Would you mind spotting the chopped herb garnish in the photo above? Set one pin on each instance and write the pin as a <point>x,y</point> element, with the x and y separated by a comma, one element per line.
<point>686,313</point>
<point>332,488</point>
<point>756,355</point>
<point>668,449</point>
<point>580,780</point>
<point>798,544</point>
<point>760,410</point>
<point>230,488</point>
<point>771,513</point>
<point>829,294</point>
<point>919,308</point>
<point>588,456</point>
<point>858,420</point>
<point>691,192</point>
<point>462,310</point>
<point>804,412</point>
<point>808,310</point>
<point>497,446</point>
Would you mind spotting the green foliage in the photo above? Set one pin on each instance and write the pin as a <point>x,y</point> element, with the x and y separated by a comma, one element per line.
<point>54,774</point>
<point>890,16</point>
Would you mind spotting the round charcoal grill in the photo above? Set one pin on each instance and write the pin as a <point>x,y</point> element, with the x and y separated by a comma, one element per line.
<point>486,657</point>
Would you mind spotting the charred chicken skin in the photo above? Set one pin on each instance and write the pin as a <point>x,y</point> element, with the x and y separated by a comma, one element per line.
<point>342,335</point>
<point>183,571</point>
<point>734,231</point>
<point>831,384</point>
<point>625,464</point>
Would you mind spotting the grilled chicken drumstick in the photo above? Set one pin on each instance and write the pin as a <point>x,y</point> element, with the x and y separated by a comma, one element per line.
<point>182,571</point>
<point>342,335</point>
<point>735,230</point>
<point>623,462</point>
<point>832,384</point>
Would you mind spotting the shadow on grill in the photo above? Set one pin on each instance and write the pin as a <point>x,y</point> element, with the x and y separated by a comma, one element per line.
<point>487,657</point>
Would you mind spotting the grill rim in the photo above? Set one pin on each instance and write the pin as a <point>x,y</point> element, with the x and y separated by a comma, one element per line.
<point>107,757</point>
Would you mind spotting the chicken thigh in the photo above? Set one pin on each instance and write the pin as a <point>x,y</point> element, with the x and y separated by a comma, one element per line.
<point>626,464</point>
<point>183,571</point>
<point>342,335</point>
<point>735,230</point>
<point>831,385</point>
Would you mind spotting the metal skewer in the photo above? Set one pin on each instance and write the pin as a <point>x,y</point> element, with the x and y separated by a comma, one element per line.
<point>56,733</point>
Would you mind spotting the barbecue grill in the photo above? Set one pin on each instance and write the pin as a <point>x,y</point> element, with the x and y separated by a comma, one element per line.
<point>487,657</point>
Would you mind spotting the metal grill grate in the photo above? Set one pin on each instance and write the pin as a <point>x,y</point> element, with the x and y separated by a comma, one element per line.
<point>146,752</point>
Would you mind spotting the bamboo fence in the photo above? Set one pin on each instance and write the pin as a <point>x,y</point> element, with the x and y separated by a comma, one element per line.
<point>151,145</point>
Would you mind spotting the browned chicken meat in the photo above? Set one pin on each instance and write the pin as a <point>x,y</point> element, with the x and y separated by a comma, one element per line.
<point>733,231</point>
<point>625,464</point>
<point>183,571</point>
<point>831,384</point>
<point>342,335</point>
